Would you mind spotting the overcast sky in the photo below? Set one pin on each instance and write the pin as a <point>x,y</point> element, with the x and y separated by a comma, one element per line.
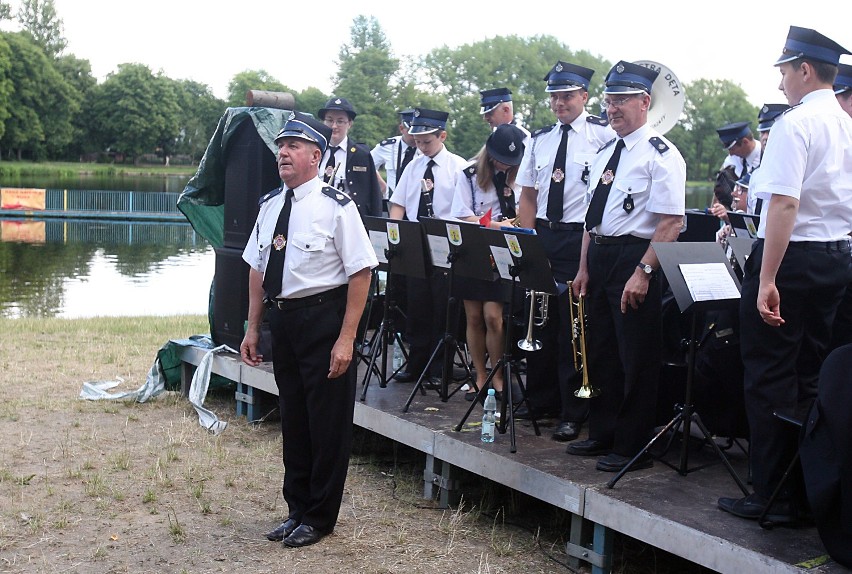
<point>298,42</point>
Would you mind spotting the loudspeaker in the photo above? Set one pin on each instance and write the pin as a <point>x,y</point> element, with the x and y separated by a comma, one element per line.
<point>229,307</point>
<point>251,171</point>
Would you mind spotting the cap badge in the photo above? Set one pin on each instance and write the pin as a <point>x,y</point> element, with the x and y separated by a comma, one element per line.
<point>512,146</point>
<point>416,113</point>
<point>607,177</point>
<point>337,101</point>
<point>620,68</point>
<point>558,67</point>
<point>765,109</point>
<point>279,242</point>
<point>558,175</point>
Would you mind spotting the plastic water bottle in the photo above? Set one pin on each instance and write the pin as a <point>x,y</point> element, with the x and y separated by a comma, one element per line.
<point>489,417</point>
<point>398,357</point>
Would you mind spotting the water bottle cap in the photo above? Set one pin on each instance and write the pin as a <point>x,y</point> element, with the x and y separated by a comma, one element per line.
<point>490,392</point>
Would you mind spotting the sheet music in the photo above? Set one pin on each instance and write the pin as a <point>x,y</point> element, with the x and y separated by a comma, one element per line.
<point>709,281</point>
<point>503,259</point>
<point>379,240</point>
<point>440,248</point>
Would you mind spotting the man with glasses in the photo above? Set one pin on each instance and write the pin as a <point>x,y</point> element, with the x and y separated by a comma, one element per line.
<point>743,149</point>
<point>638,193</point>
<point>346,165</point>
<point>553,176</point>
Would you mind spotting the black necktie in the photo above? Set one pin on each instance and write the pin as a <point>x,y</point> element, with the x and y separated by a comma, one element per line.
<point>557,179</point>
<point>275,266</point>
<point>329,167</point>
<point>507,202</point>
<point>428,185</point>
<point>406,158</point>
<point>596,208</point>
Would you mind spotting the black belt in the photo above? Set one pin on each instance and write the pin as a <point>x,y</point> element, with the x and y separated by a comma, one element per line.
<point>616,239</point>
<point>827,246</point>
<point>310,300</point>
<point>560,226</point>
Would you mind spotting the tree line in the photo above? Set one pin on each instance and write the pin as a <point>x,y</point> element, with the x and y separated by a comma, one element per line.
<point>52,108</point>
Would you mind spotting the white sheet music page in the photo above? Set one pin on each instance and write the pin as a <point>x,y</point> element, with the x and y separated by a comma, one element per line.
<point>379,240</point>
<point>440,248</point>
<point>503,260</point>
<point>709,281</point>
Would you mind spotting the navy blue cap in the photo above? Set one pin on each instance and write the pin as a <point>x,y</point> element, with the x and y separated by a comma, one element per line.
<point>629,78</point>
<point>768,114</point>
<point>743,181</point>
<point>565,77</point>
<point>305,127</point>
<point>843,81</point>
<point>340,104</point>
<point>490,98</point>
<point>406,115</point>
<point>506,144</point>
<point>807,43</point>
<point>731,133</point>
<point>428,121</point>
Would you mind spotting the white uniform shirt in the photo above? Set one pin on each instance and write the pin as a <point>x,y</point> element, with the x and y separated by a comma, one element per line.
<point>326,241</point>
<point>655,181</point>
<point>447,170</point>
<point>810,159</point>
<point>536,170</point>
<point>751,198</point>
<point>752,160</point>
<point>389,154</point>
<point>339,181</point>
<point>471,200</point>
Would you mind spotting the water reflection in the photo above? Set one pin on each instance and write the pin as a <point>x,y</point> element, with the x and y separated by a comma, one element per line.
<point>70,268</point>
<point>172,183</point>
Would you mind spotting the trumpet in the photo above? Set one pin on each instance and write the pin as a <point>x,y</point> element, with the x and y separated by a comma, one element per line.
<point>578,343</point>
<point>528,343</point>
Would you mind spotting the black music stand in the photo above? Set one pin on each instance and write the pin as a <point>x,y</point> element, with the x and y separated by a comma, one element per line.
<point>744,224</point>
<point>521,260</point>
<point>699,226</point>
<point>460,247</point>
<point>399,247</point>
<point>705,256</point>
<point>738,250</point>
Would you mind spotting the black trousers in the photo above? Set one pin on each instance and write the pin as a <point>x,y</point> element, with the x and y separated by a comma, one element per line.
<point>782,363</point>
<point>427,317</point>
<point>316,412</point>
<point>624,350</point>
<point>551,377</point>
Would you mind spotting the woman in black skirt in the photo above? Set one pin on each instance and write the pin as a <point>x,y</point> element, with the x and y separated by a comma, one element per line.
<point>486,194</point>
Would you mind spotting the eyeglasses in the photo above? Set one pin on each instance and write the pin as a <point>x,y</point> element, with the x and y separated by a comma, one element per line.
<point>616,102</point>
<point>330,122</point>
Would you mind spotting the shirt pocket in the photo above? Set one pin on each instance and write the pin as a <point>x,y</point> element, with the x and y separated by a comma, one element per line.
<point>583,163</point>
<point>632,186</point>
<point>307,252</point>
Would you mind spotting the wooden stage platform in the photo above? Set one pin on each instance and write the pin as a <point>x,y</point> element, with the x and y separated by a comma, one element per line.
<point>658,506</point>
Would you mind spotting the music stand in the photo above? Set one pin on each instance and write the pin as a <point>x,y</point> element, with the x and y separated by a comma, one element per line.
<point>699,226</point>
<point>699,284</point>
<point>521,260</point>
<point>739,248</point>
<point>399,247</point>
<point>459,247</point>
<point>744,224</point>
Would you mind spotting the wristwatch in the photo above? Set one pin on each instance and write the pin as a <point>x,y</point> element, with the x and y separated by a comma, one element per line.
<point>647,269</point>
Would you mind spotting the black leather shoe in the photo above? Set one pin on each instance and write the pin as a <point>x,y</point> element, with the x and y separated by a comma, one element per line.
<point>588,447</point>
<point>283,531</point>
<point>523,413</point>
<point>304,535</point>
<point>616,462</point>
<point>566,431</point>
<point>405,377</point>
<point>751,507</point>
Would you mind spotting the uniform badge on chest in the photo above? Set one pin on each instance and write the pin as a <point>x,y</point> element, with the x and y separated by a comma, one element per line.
<point>628,203</point>
<point>279,242</point>
<point>607,177</point>
<point>558,175</point>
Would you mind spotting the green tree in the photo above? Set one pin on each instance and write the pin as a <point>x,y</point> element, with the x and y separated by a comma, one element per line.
<point>39,18</point>
<point>200,111</point>
<point>5,11</point>
<point>519,64</point>
<point>251,80</point>
<point>6,84</point>
<point>709,104</point>
<point>78,73</point>
<point>364,73</point>
<point>42,105</point>
<point>135,112</point>
<point>310,100</point>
